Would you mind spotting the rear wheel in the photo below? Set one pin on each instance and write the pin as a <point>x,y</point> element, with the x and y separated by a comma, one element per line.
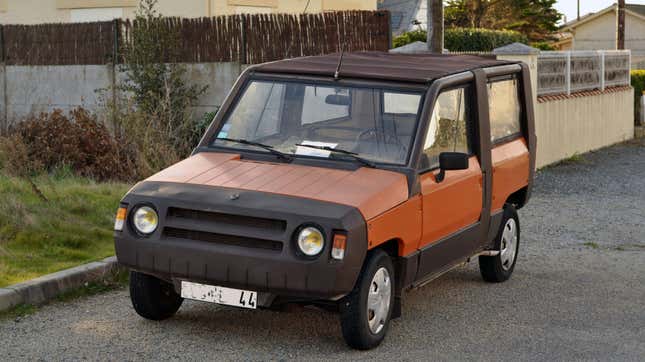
<point>367,310</point>
<point>153,298</point>
<point>499,268</point>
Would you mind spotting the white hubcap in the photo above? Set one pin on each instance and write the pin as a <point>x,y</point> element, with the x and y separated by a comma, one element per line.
<point>509,244</point>
<point>378,300</point>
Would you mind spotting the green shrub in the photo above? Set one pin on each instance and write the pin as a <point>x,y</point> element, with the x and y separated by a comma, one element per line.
<point>154,116</point>
<point>543,45</point>
<point>480,40</point>
<point>638,82</point>
<point>410,37</point>
<point>467,39</point>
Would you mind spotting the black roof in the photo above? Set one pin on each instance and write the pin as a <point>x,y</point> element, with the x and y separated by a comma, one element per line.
<point>417,68</point>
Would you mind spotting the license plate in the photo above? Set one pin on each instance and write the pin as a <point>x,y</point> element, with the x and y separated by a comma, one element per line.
<point>219,295</point>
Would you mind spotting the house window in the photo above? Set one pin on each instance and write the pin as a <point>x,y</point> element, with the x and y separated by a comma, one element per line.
<point>95,14</point>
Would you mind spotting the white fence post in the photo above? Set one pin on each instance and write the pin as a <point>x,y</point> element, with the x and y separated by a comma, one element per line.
<point>602,70</point>
<point>568,73</point>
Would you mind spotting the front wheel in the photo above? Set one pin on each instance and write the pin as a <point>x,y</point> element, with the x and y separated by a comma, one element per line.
<point>367,310</point>
<point>498,268</point>
<point>153,298</point>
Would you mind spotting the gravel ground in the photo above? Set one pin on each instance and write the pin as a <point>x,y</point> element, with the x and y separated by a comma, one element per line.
<point>577,293</point>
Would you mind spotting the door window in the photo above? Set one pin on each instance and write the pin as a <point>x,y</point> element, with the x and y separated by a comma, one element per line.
<point>505,109</point>
<point>448,127</point>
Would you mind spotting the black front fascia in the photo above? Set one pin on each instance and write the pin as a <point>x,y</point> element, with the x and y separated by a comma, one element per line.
<point>242,239</point>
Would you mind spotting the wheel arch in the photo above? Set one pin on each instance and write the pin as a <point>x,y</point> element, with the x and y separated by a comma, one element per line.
<point>518,198</point>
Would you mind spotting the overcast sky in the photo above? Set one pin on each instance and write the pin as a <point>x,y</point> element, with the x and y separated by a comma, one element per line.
<point>570,7</point>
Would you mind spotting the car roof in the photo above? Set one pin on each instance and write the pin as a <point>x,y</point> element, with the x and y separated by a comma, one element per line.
<point>416,68</point>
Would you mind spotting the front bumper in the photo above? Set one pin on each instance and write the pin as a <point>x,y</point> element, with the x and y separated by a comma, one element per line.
<point>228,251</point>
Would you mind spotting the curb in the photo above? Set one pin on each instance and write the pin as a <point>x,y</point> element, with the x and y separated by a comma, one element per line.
<point>48,287</point>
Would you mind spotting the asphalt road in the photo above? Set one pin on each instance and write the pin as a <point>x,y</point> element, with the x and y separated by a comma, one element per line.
<point>578,293</point>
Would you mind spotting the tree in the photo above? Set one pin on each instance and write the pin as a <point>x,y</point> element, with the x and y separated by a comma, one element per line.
<point>435,26</point>
<point>156,115</point>
<point>537,19</point>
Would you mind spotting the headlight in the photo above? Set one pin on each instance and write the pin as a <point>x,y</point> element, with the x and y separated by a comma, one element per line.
<point>311,241</point>
<point>145,220</point>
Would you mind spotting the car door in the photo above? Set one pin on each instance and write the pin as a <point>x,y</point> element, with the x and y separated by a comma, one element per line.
<point>451,208</point>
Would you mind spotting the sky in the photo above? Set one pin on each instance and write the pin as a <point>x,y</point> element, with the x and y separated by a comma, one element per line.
<point>569,7</point>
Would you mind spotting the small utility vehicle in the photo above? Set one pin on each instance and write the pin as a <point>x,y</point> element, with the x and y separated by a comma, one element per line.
<point>339,181</point>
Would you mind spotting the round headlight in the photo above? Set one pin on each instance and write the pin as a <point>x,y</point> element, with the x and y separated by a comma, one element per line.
<point>145,220</point>
<point>311,241</point>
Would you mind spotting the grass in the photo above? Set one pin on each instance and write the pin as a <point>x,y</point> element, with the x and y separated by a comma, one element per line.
<point>73,227</point>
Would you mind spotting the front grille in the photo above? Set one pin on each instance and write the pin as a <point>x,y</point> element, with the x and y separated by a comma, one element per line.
<point>228,219</point>
<point>215,238</point>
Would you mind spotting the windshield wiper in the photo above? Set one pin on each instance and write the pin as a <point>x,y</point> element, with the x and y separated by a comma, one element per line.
<point>280,155</point>
<point>344,152</point>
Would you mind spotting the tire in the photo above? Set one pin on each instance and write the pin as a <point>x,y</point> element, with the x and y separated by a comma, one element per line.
<point>375,279</point>
<point>153,298</point>
<point>498,268</point>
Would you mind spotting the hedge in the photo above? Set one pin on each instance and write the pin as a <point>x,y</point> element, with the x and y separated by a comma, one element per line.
<point>638,82</point>
<point>467,39</point>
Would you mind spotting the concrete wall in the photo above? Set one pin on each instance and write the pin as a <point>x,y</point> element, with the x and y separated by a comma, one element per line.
<point>581,124</point>
<point>34,89</point>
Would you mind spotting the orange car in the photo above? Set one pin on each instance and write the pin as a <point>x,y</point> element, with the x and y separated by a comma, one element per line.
<point>339,181</point>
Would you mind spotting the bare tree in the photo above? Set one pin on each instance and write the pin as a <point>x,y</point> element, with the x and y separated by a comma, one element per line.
<point>435,26</point>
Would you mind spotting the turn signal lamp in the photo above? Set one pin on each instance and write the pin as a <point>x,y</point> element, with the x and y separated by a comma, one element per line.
<point>338,248</point>
<point>120,219</point>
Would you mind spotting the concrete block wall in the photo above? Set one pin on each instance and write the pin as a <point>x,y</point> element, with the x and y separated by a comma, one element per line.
<point>31,90</point>
<point>36,89</point>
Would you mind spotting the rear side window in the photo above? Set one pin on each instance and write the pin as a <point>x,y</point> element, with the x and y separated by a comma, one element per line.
<point>505,109</point>
<point>448,127</point>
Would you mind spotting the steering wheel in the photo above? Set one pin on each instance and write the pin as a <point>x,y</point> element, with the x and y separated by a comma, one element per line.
<point>390,139</point>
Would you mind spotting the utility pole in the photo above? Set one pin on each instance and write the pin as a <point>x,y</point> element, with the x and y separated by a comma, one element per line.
<point>620,43</point>
<point>578,10</point>
<point>435,26</point>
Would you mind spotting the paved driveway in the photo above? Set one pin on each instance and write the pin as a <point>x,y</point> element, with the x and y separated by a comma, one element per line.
<point>578,292</point>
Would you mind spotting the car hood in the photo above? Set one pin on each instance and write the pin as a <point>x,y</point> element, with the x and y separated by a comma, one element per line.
<point>371,191</point>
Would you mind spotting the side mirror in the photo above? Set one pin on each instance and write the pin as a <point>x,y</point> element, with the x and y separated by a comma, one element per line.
<point>451,161</point>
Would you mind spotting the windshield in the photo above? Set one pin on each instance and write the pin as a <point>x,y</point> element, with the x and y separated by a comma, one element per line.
<point>371,123</point>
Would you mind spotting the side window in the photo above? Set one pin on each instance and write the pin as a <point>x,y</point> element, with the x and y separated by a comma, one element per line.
<point>448,127</point>
<point>505,109</point>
